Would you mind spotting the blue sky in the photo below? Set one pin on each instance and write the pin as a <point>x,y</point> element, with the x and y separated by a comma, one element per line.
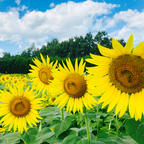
<point>24,22</point>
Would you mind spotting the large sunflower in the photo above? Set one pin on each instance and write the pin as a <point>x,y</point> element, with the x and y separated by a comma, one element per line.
<point>73,87</point>
<point>119,77</point>
<point>41,73</point>
<point>19,108</point>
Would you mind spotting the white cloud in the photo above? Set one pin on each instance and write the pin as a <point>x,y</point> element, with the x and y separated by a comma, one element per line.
<point>63,21</point>
<point>52,5</point>
<point>17,2</point>
<point>18,9</point>
<point>124,23</point>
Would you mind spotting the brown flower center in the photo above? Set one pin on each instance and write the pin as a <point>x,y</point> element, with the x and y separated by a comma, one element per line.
<point>20,106</point>
<point>45,75</point>
<point>53,99</point>
<point>75,85</point>
<point>127,73</point>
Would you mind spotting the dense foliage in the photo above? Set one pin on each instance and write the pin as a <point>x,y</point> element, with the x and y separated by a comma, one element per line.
<point>74,47</point>
<point>105,128</point>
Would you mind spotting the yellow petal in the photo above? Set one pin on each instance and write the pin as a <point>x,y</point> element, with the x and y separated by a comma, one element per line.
<point>139,102</point>
<point>81,66</point>
<point>43,60</point>
<point>129,45</point>
<point>124,106</point>
<point>70,65</point>
<point>107,52</point>
<point>117,47</point>
<point>48,60</point>
<point>114,100</point>
<point>37,63</point>
<point>76,65</point>
<point>98,70</point>
<point>139,49</point>
<point>99,60</point>
<point>132,105</point>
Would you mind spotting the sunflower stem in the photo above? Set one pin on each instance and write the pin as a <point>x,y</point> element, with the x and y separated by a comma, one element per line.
<point>40,126</point>
<point>117,125</point>
<point>109,126</point>
<point>62,113</point>
<point>87,129</point>
<point>97,120</point>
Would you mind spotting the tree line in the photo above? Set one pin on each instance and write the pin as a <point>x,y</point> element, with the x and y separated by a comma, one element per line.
<point>79,46</point>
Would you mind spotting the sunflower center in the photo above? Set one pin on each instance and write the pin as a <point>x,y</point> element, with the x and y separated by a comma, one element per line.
<point>75,85</point>
<point>53,99</point>
<point>127,73</point>
<point>45,75</point>
<point>20,106</point>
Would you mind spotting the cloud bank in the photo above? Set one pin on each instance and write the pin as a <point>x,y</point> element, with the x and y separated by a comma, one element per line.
<point>67,20</point>
<point>63,21</point>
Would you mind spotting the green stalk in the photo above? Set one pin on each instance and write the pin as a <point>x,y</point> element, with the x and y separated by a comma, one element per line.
<point>109,126</point>
<point>117,125</point>
<point>62,113</point>
<point>97,121</point>
<point>40,126</point>
<point>88,129</point>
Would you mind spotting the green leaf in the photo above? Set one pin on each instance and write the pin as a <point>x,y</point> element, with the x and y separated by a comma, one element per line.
<point>49,110</point>
<point>11,138</point>
<point>63,125</point>
<point>33,136</point>
<point>136,130</point>
<point>72,139</point>
<point>49,114</point>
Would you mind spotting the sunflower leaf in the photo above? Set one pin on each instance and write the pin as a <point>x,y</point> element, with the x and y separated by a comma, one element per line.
<point>63,125</point>
<point>136,130</point>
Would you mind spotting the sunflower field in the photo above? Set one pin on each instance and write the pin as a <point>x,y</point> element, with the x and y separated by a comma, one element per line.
<point>69,103</point>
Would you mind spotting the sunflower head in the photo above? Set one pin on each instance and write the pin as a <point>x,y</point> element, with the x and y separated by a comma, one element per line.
<point>127,73</point>
<point>75,85</point>
<point>72,87</point>
<point>45,75</point>
<point>119,77</point>
<point>41,73</point>
<point>19,108</point>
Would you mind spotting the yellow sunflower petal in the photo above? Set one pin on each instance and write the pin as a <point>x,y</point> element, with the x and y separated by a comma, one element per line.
<point>129,45</point>
<point>43,60</point>
<point>81,66</point>
<point>139,102</point>
<point>117,47</point>
<point>69,64</point>
<point>139,49</point>
<point>107,52</point>
<point>132,105</point>
<point>76,65</point>
<point>115,98</point>
<point>99,60</point>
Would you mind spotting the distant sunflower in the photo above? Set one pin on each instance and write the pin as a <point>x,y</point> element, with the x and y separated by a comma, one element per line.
<point>73,87</point>
<point>41,73</point>
<point>19,108</point>
<point>119,77</point>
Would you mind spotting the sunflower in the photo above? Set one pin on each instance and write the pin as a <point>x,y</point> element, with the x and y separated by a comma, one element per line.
<point>2,130</point>
<point>19,108</point>
<point>73,87</point>
<point>41,73</point>
<point>119,77</point>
